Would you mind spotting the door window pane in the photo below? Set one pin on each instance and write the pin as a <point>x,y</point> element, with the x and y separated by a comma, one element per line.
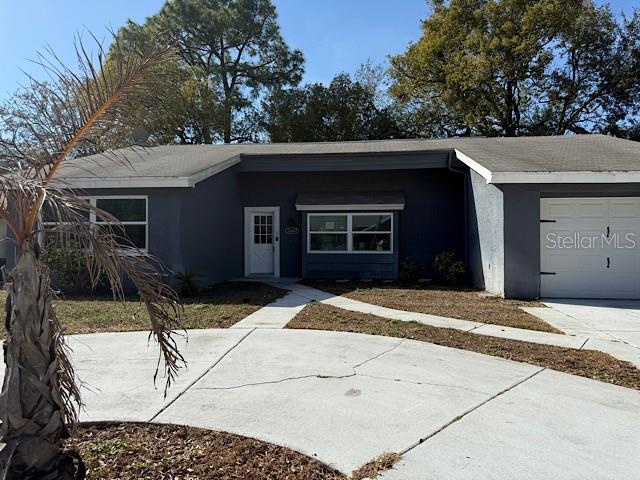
<point>371,223</point>
<point>263,229</point>
<point>372,242</point>
<point>328,223</point>
<point>328,242</point>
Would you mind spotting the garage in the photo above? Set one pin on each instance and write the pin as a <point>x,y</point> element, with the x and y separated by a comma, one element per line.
<point>590,247</point>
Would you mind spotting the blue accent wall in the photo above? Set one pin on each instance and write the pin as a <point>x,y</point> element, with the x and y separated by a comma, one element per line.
<point>432,221</point>
<point>202,228</point>
<point>197,229</point>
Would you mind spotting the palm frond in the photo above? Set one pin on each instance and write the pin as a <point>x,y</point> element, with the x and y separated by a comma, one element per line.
<point>108,254</point>
<point>92,98</point>
<point>68,116</point>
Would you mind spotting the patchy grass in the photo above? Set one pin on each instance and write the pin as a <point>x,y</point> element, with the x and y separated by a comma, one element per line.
<point>173,452</point>
<point>375,467</point>
<point>464,304</point>
<point>586,363</point>
<point>219,307</point>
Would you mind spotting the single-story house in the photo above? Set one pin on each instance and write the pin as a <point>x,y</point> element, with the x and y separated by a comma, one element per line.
<point>530,217</point>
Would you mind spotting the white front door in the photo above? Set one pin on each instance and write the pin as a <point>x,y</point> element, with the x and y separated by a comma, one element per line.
<point>262,245</point>
<point>590,247</point>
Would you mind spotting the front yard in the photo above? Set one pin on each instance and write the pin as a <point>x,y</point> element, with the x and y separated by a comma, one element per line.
<point>586,363</point>
<point>464,304</point>
<point>218,307</point>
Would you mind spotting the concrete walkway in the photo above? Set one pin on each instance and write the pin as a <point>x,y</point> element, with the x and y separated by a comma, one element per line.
<point>585,338</point>
<point>346,398</point>
<point>275,315</point>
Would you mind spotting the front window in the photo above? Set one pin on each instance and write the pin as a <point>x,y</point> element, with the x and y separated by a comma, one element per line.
<point>131,212</point>
<point>328,233</point>
<point>132,215</point>
<point>350,232</point>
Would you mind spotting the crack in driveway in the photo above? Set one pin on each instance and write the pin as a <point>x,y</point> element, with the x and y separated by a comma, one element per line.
<point>201,376</point>
<point>431,384</point>
<point>471,410</point>
<point>307,376</point>
<point>281,380</point>
<point>375,357</point>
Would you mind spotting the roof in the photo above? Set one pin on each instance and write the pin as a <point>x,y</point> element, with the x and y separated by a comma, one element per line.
<point>559,159</point>
<point>562,159</point>
<point>350,201</point>
<point>186,165</point>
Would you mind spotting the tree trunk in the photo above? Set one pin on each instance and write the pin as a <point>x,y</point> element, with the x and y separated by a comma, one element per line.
<point>31,405</point>
<point>227,121</point>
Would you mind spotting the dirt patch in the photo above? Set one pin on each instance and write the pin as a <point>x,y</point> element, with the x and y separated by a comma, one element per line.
<point>463,304</point>
<point>586,363</point>
<point>375,467</point>
<point>172,452</point>
<point>218,307</point>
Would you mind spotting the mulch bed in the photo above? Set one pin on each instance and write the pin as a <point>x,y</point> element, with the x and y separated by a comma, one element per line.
<point>375,467</point>
<point>154,452</point>
<point>586,363</point>
<point>464,304</point>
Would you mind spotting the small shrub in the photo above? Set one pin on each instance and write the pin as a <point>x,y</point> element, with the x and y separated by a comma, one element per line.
<point>450,269</point>
<point>68,267</point>
<point>410,271</point>
<point>188,283</point>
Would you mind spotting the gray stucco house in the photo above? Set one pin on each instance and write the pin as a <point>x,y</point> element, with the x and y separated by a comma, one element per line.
<point>506,206</point>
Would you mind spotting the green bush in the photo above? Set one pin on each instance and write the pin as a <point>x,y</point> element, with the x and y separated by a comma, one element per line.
<point>450,269</point>
<point>68,267</point>
<point>410,271</point>
<point>187,283</point>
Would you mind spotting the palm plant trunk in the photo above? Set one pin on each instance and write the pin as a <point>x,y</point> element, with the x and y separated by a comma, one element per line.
<point>31,407</point>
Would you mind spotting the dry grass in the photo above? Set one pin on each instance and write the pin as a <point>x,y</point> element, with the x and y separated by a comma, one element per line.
<point>586,363</point>
<point>219,307</point>
<point>153,452</point>
<point>463,304</point>
<point>376,466</point>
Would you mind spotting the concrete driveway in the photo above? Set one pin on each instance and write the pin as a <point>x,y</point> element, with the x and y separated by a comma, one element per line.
<point>346,398</point>
<point>615,319</point>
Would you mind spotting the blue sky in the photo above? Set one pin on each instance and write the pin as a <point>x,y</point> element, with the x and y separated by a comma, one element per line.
<point>335,35</point>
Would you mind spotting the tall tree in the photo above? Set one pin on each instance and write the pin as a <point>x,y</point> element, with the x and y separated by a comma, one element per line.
<point>232,52</point>
<point>594,82</point>
<point>40,398</point>
<point>343,110</point>
<point>188,113</point>
<point>518,67</point>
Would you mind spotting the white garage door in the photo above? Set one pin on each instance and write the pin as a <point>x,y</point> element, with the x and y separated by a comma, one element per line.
<point>590,247</point>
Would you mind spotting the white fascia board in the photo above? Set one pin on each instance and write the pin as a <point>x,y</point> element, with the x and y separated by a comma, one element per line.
<point>124,182</point>
<point>549,177</point>
<point>565,177</point>
<point>471,163</point>
<point>351,208</point>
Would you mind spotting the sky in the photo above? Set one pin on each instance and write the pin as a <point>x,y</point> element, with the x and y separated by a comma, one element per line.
<point>334,35</point>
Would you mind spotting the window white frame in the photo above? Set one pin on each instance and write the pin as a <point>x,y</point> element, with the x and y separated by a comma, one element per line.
<point>93,200</point>
<point>349,233</point>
